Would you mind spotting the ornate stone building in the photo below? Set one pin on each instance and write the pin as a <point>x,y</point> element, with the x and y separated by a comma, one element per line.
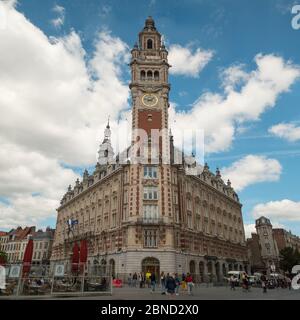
<point>152,216</point>
<point>265,245</point>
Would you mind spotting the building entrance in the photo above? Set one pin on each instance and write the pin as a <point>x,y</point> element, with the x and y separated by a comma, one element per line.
<point>152,265</point>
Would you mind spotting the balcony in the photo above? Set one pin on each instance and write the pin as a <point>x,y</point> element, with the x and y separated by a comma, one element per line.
<point>150,221</point>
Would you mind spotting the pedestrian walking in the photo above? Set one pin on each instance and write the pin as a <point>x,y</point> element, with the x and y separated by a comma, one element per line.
<point>183,283</point>
<point>134,280</point>
<point>190,283</point>
<point>171,285</point>
<point>288,282</point>
<point>152,281</point>
<point>177,281</point>
<point>232,282</point>
<point>148,275</point>
<point>263,279</point>
<point>129,280</point>
<point>162,281</point>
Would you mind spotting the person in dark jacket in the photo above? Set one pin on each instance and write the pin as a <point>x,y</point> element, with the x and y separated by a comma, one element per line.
<point>263,280</point>
<point>152,281</point>
<point>171,285</point>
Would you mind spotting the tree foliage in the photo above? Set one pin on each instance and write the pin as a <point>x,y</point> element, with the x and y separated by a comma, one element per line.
<point>289,258</point>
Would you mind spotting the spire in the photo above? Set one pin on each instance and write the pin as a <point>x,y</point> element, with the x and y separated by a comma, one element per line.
<point>105,152</point>
<point>107,132</point>
<point>149,24</point>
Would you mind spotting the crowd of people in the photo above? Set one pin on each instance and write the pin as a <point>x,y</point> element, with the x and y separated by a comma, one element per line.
<point>169,283</point>
<point>263,281</point>
<point>173,283</point>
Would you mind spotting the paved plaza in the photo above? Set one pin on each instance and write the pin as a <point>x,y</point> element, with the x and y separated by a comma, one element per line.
<point>200,293</point>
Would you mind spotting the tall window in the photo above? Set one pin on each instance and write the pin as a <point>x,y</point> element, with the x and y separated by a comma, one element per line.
<point>149,44</point>
<point>150,193</point>
<point>150,172</point>
<point>113,220</point>
<point>150,238</point>
<point>149,75</point>
<point>156,75</point>
<point>189,220</point>
<point>198,223</point>
<point>150,212</point>
<point>143,75</point>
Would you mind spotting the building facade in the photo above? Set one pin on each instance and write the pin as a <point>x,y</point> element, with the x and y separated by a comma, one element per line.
<point>152,215</point>
<point>265,245</point>
<point>285,239</point>
<point>15,241</point>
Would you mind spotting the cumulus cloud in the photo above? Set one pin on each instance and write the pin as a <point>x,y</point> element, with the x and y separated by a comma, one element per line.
<point>277,211</point>
<point>60,19</point>
<point>188,62</point>
<point>288,131</point>
<point>252,169</point>
<point>56,103</point>
<point>249,229</point>
<point>245,98</point>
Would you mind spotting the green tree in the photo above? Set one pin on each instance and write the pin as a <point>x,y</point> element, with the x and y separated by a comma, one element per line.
<point>289,258</point>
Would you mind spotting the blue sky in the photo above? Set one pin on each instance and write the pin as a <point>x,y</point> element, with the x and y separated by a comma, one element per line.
<point>236,32</point>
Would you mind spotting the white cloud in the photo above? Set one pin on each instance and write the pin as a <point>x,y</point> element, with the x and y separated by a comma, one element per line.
<point>277,211</point>
<point>249,229</point>
<point>220,114</point>
<point>188,62</point>
<point>233,76</point>
<point>288,131</point>
<point>56,103</point>
<point>60,19</point>
<point>252,169</point>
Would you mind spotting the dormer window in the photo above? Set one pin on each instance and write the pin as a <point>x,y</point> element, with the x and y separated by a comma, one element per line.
<point>149,44</point>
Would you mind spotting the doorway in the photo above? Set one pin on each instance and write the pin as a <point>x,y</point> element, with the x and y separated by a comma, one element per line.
<point>151,264</point>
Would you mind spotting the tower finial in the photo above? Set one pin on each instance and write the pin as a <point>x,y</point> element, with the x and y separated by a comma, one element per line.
<point>108,127</point>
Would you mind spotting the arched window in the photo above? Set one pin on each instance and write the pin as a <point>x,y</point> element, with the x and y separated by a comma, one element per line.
<point>149,75</point>
<point>143,75</point>
<point>156,75</point>
<point>149,44</point>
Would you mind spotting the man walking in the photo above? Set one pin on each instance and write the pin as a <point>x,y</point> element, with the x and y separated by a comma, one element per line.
<point>153,282</point>
<point>263,279</point>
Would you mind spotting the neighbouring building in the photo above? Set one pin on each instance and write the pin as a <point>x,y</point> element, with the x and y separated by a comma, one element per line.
<point>3,239</point>
<point>286,239</point>
<point>42,246</point>
<point>264,246</point>
<point>138,217</point>
<point>15,242</point>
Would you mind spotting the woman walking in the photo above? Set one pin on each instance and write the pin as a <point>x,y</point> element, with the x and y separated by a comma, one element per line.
<point>177,281</point>
<point>189,282</point>
<point>171,285</point>
<point>163,281</point>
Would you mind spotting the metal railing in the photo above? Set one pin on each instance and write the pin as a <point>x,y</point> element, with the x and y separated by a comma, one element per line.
<point>55,281</point>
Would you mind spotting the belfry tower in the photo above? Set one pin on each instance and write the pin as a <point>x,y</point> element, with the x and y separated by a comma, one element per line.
<point>149,84</point>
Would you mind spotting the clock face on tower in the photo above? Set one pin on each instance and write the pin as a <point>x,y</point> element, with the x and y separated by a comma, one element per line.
<point>149,100</point>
